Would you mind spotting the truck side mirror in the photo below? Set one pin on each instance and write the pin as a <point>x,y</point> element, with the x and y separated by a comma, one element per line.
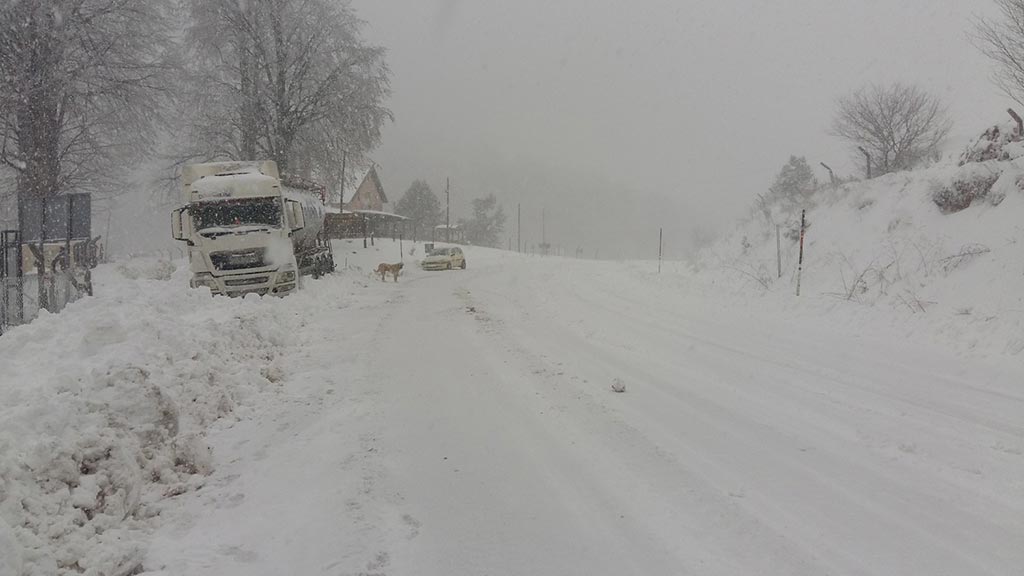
<point>180,224</point>
<point>298,219</point>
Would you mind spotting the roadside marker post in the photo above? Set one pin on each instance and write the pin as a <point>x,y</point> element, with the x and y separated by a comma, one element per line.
<point>800,266</point>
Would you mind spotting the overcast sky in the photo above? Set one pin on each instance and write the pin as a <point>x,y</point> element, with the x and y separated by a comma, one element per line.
<point>620,117</point>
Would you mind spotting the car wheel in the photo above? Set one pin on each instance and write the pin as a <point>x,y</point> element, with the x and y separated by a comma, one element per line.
<point>449,265</point>
<point>463,265</point>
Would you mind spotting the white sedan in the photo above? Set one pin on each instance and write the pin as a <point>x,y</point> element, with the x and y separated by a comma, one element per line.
<point>444,259</point>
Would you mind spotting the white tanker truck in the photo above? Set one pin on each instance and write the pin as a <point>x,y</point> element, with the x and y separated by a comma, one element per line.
<point>250,231</point>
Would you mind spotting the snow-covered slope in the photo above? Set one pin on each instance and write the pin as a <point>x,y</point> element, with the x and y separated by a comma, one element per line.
<point>883,253</point>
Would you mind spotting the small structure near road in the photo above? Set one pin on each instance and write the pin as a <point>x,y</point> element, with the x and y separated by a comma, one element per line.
<point>455,234</point>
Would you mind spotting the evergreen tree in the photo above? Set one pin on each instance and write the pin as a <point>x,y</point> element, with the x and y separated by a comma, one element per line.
<point>421,206</point>
<point>794,185</point>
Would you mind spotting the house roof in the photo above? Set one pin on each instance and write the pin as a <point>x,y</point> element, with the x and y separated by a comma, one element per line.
<point>354,179</point>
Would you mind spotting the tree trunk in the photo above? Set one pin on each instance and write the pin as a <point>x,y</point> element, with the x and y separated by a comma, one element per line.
<point>283,136</point>
<point>39,118</point>
<point>249,104</point>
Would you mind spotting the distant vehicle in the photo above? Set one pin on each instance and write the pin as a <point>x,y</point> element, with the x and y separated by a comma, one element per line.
<point>444,259</point>
<point>249,230</point>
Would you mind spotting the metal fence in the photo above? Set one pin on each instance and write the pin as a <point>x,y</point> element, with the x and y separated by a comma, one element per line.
<point>41,276</point>
<point>46,263</point>
<point>12,309</point>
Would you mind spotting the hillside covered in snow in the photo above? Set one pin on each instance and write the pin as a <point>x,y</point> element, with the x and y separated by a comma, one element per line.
<point>936,253</point>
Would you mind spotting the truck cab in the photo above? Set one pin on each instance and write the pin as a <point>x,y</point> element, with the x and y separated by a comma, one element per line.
<point>244,230</point>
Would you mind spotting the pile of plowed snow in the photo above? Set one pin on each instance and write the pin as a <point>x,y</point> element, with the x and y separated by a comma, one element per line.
<point>104,409</point>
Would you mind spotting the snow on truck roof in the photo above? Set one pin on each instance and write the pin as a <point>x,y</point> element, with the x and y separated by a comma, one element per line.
<point>192,172</point>
<point>233,185</point>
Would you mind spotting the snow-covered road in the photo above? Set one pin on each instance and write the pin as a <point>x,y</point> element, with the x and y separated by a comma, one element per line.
<point>464,423</point>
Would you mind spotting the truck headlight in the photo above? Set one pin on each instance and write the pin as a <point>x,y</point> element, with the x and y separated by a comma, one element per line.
<point>204,279</point>
<point>286,276</point>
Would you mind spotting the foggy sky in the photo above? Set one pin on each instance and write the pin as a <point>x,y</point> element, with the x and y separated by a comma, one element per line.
<point>619,117</point>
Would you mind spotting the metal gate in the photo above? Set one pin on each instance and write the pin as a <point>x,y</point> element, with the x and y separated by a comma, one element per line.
<point>12,287</point>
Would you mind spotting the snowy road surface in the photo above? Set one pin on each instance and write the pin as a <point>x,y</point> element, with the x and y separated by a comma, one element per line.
<point>464,423</point>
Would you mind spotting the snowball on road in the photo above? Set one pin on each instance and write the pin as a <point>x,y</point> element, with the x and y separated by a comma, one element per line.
<point>464,423</point>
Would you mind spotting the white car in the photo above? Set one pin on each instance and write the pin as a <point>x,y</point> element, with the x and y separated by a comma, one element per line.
<point>444,259</point>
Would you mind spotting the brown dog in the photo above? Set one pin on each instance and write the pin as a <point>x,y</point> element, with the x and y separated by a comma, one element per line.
<point>385,269</point>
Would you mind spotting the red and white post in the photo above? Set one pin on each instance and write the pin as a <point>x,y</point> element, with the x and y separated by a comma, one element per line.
<point>800,265</point>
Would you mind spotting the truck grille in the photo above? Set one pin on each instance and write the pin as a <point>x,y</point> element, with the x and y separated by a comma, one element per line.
<point>246,281</point>
<point>238,259</point>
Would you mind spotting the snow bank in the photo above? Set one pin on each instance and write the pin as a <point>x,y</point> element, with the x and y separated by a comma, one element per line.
<point>10,552</point>
<point>883,252</point>
<point>104,409</point>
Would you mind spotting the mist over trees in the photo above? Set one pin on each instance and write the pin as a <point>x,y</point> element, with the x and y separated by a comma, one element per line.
<point>487,223</point>
<point>898,126</point>
<point>421,206</point>
<point>82,83</point>
<point>288,80</point>
<point>92,89</point>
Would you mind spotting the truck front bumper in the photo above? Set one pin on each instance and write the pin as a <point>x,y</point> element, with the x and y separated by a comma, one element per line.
<point>262,283</point>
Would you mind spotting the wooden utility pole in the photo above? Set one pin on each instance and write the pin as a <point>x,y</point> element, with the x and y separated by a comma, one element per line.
<point>544,247</point>
<point>659,249</point>
<point>447,210</point>
<point>519,228</point>
<point>341,193</point>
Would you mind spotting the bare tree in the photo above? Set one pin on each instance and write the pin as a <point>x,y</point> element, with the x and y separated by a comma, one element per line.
<point>1002,40</point>
<point>290,80</point>
<point>898,126</point>
<point>81,85</point>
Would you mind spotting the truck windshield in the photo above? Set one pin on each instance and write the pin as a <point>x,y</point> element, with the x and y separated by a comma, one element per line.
<point>232,215</point>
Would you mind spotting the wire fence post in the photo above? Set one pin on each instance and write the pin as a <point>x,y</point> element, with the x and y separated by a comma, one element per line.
<point>778,248</point>
<point>800,267</point>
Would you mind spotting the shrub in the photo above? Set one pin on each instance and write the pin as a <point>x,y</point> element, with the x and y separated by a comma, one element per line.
<point>965,188</point>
